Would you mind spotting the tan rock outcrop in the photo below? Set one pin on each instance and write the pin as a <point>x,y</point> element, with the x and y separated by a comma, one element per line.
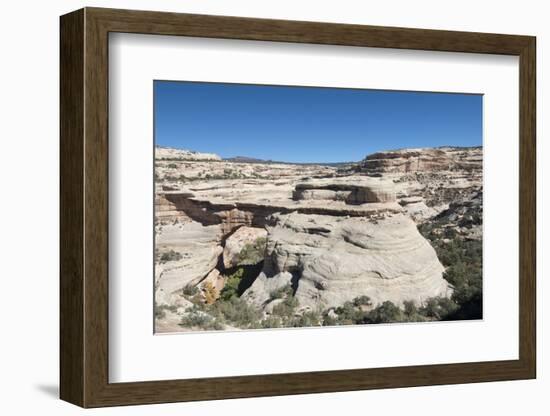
<point>333,232</point>
<point>329,261</point>
<point>215,282</point>
<point>237,241</point>
<point>169,153</point>
<point>423,160</point>
<point>351,190</point>
<point>198,249</point>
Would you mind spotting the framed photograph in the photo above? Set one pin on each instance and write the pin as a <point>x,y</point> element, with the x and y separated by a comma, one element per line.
<point>255,207</point>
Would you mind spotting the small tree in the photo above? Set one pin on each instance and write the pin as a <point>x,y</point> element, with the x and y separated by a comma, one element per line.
<point>253,253</point>
<point>385,313</point>
<point>362,301</point>
<point>231,287</point>
<point>210,293</point>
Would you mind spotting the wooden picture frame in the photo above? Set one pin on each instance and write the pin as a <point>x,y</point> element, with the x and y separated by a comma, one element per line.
<point>84,207</point>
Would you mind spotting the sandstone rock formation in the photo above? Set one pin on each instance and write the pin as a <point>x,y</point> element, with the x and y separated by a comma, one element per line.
<point>355,191</point>
<point>197,249</point>
<point>417,209</point>
<point>329,261</point>
<point>332,233</point>
<point>423,160</point>
<point>214,282</point>
<point>237,242</point>
<point>168,153</point>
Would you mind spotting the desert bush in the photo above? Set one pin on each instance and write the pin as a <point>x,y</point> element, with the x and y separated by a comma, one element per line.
<point>286,309</point>
<point>160,310</point>
<point>253,253</point>
<point>362,301</point>
<point>410,308</point>
<point>231,287</point>
<point>463,261</point>
<point>170,256</point>
<point>349,314</point>
<point>237,312</point>
<point>470,309</point>
<point>190,290</point>
<point>385,313</point>
<point>271,322</point>
<point>199,319</point>
<point>210,293</point>
<point>309,318</point>
<point>438,308</point>
<point>281,292</point>
<point>172,166</point>
<point>329,320</point>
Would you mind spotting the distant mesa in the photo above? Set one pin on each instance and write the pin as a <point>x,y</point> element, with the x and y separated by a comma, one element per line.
<point>423,160</point>
<point>246,159</point>
<point>170,153</point>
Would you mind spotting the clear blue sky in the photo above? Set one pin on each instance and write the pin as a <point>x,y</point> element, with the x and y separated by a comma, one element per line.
<point>300,124</point>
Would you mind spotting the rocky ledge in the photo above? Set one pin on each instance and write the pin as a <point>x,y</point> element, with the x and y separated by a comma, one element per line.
<point>424,160</point>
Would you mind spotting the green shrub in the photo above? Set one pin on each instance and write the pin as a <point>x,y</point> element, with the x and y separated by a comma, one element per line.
<point>231,287</point>
<point>410,308</point>
<point>160,310</point>
<point>237,312</point>
<point>170,256</point>
<point>329,320</point>
<point>286,309</point>
<point>198,319</point>
<point>362,301</point>
<point>349,314</point>
<point>463,261</point>
<point>190,290</point>
<point>438,308</point>
<point>271,322</point>
<point>253,253</point>
<point>387,312</point>
<point>309,318</point>
<point>281,292</point>
<point>411,313</point>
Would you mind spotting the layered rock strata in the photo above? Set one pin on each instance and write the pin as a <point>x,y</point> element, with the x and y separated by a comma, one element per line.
<point>196,251</point>
<point>329,261</point>
<point>423,160</point>
<point>332,233</point>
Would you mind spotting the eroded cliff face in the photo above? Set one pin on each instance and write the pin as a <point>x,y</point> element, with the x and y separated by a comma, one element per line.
<point>423,160</point>
<point>330,234</point>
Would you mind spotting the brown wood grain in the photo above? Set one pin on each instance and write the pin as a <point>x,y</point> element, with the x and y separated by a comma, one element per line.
<point>84,207</point>
<point>71,184</point>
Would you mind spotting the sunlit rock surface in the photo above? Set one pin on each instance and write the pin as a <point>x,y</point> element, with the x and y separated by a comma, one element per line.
<point>329,261</point>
